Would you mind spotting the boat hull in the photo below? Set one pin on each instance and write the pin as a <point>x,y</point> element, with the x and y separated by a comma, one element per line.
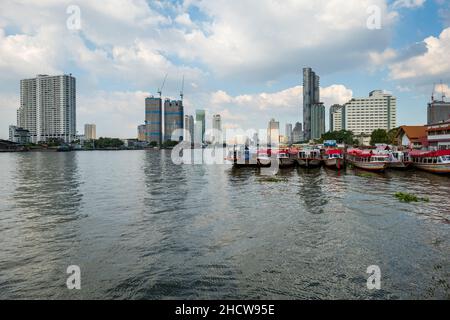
<point>334,163</point>
<point>309,163</point>
<point>441,168</point>
<point>370,166</point>
<point>286,162</point>
<point>400,165</point>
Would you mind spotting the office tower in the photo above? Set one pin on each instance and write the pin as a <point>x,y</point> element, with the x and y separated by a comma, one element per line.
<point>217,129</point>
<point>317,120</point>
<point>189,128</point>
<point>335,118</point>
<point>312,118</point>
<point>48,108</point>
<point>153,119</point>
<point>297,133</point>
<point>364,115</point>
<point>173,119</point>
<point>141,129</point>
<point>200,124</point>
<point>19,135</point>
<point>90,131</point>
<point>273,132</point>
<point>288,132</point>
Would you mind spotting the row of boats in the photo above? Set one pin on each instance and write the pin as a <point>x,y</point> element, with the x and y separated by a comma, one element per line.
<point>367,159</point>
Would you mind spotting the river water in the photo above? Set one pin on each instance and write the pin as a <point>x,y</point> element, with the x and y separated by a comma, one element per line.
<point>140,227</point>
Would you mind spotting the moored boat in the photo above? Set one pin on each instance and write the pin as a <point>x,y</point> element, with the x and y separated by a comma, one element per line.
<point>367,159</point>
<point>334,158</point>
<point>285,158</point>
<point>309,158</point>
<point>432,161</point>
<point>399,160</point>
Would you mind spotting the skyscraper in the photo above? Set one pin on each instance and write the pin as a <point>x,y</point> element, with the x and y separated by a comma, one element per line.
<point>288,132</point>
<point>153,119</point>
<point>273,132</point>
<point>313,109</point>
<point>217,127</point>
<point>48,107</point>
<point>297,133</point>
<point>200,124</point>
<point>189,128</point>
<point>173,119</point>
<point>317,120</point>
<point>90,131</point>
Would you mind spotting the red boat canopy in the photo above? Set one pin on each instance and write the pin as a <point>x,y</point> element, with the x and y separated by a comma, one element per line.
<point>333,151</point>
<point>429,154</point>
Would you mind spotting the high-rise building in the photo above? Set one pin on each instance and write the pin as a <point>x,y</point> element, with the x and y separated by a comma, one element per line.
<point>313,109</point>
<point>273,132</point>
<point>317,120</point>
<point>217,129</point>
<point>90,131</point>
<point>173,119</point>
<point>336,118</point>
<point>438,111</point>
<point>297,133</point>
<point>200,124</point>
<point>48,108</point>
<point>364,115</point>
<point>153,119</point>
<point>288,132</point>
<point>189,128</point>
<point>141,129</point>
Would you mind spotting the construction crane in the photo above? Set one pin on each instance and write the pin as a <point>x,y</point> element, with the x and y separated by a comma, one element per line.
<point>443,92</point>
<point>182,89</point>
<point>162,86</point>
<point>432,93</point>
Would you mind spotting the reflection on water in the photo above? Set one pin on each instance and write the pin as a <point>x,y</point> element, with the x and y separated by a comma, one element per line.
<point>141,227</point>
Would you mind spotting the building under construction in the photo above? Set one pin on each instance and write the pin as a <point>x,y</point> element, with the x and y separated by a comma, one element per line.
<point>153,119</point>
<point>173,120</point>
<point>438,110</point>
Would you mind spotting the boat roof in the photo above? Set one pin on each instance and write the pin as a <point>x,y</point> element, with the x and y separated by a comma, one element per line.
<point>427,153</point>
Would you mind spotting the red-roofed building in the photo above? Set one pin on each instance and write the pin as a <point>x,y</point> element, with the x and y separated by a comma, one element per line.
<point>414,137</point>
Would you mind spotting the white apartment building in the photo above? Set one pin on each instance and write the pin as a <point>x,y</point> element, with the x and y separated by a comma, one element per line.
<point>48,107</point>
<point>364,115</point>
<point>335,118</point>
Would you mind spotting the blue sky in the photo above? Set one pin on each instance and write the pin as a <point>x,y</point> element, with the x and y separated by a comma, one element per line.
<point>242,59</point>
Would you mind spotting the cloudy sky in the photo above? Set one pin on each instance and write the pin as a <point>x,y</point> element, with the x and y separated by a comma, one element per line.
<point>242,59</point>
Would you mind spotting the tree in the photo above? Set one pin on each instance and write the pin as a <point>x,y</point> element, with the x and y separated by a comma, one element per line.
<point>379,136</point>
<point>342,136</point>
<point>108,143</point>
<point>392,135</point>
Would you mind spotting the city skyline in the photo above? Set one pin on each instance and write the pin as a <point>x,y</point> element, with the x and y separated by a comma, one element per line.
<point>247,91</point>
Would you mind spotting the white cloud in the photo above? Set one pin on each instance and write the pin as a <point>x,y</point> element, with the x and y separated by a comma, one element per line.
<point>408,3</point>
<point>264,39</point>
<point>253,110</point>
<point>116,114</point>
<point>433,64</point>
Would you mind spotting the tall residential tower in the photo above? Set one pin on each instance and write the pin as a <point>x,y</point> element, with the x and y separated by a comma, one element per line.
<point>48,108</point>
<point>313,109</point>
